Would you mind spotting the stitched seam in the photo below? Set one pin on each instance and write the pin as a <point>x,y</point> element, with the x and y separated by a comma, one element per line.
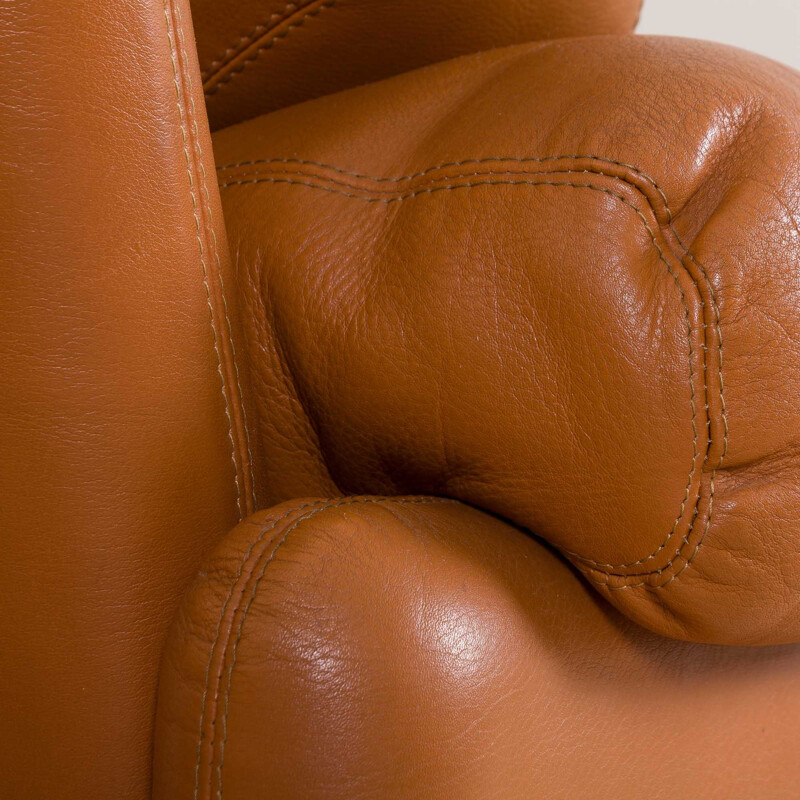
<point>217,633</point>
<point>248,505</point>
<point>462,163</point>
<point>602,567</point>
<point>243,42</point>
<point>718,327</point>
<point>405,195</point>
<point>315,508</point>
<point>687,561</point>
<point>268,45</point>
<point>198,236</point>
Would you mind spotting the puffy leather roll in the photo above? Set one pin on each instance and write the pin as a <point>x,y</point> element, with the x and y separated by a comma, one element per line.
<point>259,56</point>
<point>123,447</point>
<point>558,282</point>
<point>412,648</point>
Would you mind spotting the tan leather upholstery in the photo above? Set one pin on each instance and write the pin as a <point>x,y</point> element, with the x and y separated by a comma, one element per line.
<point>117,432</point>
<point>415,648</point>
<point>565,323</point>
<point>258,56</point>
<point>527,322</point>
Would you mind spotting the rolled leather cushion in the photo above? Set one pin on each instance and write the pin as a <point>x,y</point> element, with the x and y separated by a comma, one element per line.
<point>413,647</point>
<point>558,282</point>
<point>256,57</point>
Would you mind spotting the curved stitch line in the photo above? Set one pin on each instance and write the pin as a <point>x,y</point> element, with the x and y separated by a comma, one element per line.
<point>268,45</point>
<point>408,194</point>
<point>218,630</point>
<point>198,236</point>
<point>462,163</point>
<point>687,561</point>
<point>249,506</point>
<point>243,42</point>
<point>718,326</point>
<point>646,177</point>
<point>318,507</point>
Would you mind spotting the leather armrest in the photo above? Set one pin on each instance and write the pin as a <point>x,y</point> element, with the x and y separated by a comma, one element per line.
<point>558,282</point>
<point>413,648</point>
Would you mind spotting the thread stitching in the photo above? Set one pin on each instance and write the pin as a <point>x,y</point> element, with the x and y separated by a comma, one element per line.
<point>198,236</point>
<point>718,328</point>
<point>462,163</point>
<point>217,633</point>
<point>215,249</point>
<point>268,45</point>
<point>601,566</point>
<point>592,187</point>
<point>245,41</point>
<point>313,509</point>
<point>408,194</point>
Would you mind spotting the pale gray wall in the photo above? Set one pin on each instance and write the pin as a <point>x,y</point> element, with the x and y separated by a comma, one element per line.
<point>770,27</point>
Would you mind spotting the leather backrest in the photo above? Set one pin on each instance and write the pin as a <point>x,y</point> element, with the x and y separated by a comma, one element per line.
<point>258,56</point>
<point>490,279</point>
<point>124,455</point>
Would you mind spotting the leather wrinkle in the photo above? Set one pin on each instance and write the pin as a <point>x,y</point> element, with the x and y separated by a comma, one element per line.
<point>304,13</point>
<point>250,559</point>
<point>399,194</point>
<point>495,159</point>
<point>244,499</point>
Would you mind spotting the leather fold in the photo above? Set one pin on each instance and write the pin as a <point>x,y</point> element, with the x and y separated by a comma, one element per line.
<point>405,647</point>
<point>557,282</point>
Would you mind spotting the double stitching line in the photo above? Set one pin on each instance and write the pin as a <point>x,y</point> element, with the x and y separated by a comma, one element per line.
<point>252,557</point>
<point>402,195</point>
<point>397,195</point>
<point>243,42</point>
<point>244,499</point>
<point>447,164</point>
<point>312,9</point>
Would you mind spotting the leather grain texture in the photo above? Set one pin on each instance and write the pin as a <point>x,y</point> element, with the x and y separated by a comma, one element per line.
<point>259,56</point>
<point>558,282</point>
<point>122,433</point>
<point>417,648</point>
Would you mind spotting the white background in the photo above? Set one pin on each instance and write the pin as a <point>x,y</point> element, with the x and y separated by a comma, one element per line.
<point>770,27</point>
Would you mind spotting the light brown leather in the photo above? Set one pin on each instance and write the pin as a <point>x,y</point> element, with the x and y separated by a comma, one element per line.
<point>558,282</point>
<point>258,56</point>
<point>416,648</point>
<point>124,453</point>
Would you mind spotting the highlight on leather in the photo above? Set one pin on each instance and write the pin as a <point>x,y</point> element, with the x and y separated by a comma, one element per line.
<point>257,57</point>
<point>546,318</point>
<point>334,648</point>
